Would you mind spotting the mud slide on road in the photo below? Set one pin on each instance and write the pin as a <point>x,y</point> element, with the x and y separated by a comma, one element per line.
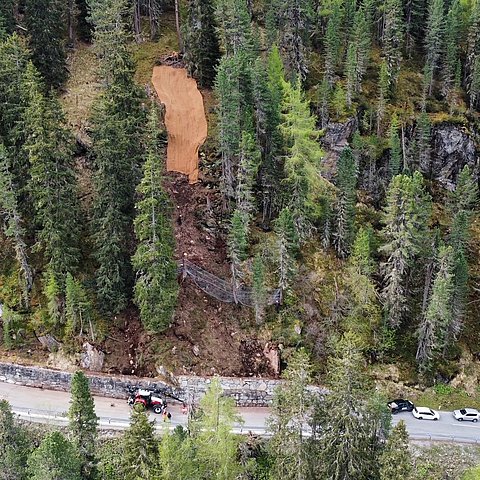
<point>184,118</point>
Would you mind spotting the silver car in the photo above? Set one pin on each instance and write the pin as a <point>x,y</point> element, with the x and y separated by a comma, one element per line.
<point>466,414</point>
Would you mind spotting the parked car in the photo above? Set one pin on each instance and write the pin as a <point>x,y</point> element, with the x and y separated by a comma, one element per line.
<point>469,414</point>
<point>400,405</point>
<point>425,413</point>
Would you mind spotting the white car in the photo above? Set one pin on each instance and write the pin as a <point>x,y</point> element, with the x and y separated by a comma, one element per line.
<point>425,413</point>
<point>466,414</point>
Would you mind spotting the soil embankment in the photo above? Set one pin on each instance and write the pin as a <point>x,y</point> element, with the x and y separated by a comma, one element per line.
<point>184,118</point>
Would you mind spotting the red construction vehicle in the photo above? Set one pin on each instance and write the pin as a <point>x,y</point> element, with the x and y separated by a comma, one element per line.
<point>151,398</point>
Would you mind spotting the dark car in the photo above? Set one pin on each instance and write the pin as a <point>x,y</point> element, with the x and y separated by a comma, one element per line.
<point>400,405</point>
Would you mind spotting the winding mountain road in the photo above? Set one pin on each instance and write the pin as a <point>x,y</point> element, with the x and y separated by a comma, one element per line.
<point>48,406</point>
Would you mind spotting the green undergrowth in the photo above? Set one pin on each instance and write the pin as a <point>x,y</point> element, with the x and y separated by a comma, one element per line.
<point>446,397</point>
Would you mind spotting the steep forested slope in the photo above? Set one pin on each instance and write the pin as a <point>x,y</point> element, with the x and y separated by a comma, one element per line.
<point>341,169</point>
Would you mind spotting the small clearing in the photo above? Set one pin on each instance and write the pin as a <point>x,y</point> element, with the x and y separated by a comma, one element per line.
<point>184,118</point>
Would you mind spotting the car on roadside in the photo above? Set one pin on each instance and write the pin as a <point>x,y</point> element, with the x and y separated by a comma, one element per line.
<point>400,405</point>
<point>425,413</point>
<point>467,414</point>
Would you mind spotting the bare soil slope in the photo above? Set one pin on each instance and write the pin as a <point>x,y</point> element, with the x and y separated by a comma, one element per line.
<point>184,118</point>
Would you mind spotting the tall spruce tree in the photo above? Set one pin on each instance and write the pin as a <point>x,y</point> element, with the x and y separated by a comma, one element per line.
<point>83,424</point>
<point>392,38</point>
<point>451,60</point>
<point>473,57</point>
<point>259,291</point>
<point>156,287</point>
<point>383,94</point>
<point>344,423</point>
<point>406,218</point>
<point>55,458</point>
<point>396,459</point>
<point>433,331</point>
<point>7,16</point>
<point>268,96</point>
<point>235,114</point>
<point>202,51</point>
<point>117,148</point>
<point>346,181</point>
<point>333,41</point>
<point>214,444</point>
<point>15,446</point>
<point>293,32</point>
<point>434,41</point>
<point>358,52</point>
<point>79,317</point>
<point>52,184</point>
<point>286,249</point>
<point>14,227</point>
<point>395,160</point>
<point>234,27</point>
<point>45,26</point>
<point>288,420</point>
<point>140,448</point>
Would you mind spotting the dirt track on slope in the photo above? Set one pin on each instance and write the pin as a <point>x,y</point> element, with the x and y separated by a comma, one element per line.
<point>184,118</point>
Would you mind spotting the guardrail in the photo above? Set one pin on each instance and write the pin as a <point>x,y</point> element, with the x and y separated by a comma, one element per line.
<point>112,423</point>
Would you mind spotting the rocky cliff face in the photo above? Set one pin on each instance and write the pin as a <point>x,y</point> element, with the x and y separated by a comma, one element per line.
<point>452,149</point>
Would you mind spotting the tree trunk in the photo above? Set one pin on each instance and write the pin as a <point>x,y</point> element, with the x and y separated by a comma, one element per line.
<point>177,23</point>
<point>70,21</point>
<point>136,21</point>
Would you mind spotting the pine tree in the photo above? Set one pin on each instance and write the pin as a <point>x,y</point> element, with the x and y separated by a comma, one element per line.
<point>140,448</point>
<point>117,148</point>
<point>288,420</point>
<point>392,38</point>
<point>177,457</point>
<point>13,102</point>
<point>268,97</point>
<point>344,423</point>
<point>451,61</point>
<point>466,194</point>
<point>287,246</point>
<point>346,181</point>
<point>395,161</point>
<point>215,446</point>
<point>7,16</point>
<point>302,180</point>
<point>333,41</point>
<point>234,115</point>
<point>293,29</point>
<point>83,423</point>
<point>433,332</point>
<point>46,31</point>
<point>156,287</point>
<point>14,225</point>
<point>249,161</point>
<point>434,39</point>
<point>259,291</point>
<point>52,182</point>
<point>406,218</point>
<point>383,94</point>
<point>202,51</point>
<point>78,309</point>
<point>423,138</point>
<point>55,458</point>
<point>234,27</point>
<point>237,245</point>
<point>396,459</point>
<point>358,52</point>
<point>473,57</point>
<point>84,28</point>
<point>15,446</point>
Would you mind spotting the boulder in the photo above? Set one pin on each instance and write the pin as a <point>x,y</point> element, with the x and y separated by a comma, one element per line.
<point>49,342</point>
<point>92,358</point>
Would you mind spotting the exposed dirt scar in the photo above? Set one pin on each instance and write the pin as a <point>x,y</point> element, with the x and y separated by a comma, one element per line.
<point>184,118</point>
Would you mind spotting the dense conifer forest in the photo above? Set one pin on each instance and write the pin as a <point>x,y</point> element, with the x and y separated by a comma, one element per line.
<point>338,187</point>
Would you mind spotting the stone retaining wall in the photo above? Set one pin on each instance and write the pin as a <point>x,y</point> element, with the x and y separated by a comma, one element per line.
<point>247,392</point>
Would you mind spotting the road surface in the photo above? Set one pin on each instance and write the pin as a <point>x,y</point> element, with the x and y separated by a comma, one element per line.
<point>48,406</point>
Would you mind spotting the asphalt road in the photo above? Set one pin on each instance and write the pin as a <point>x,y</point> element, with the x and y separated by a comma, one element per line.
<point>48,406</point>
